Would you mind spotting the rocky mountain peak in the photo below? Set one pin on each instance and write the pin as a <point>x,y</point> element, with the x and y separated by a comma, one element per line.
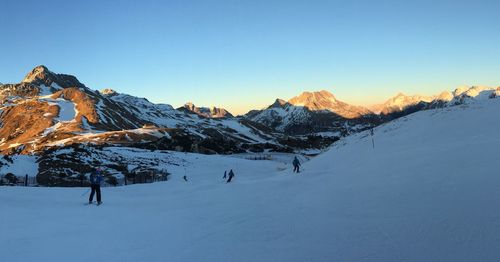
<point>41,75</point>
<point>403,100</point>
<point>320,100</point>
<point>219,112</point>
<point>108,92</point>
<point>445,96</point>
<point>278,103</point>
<point>313,99</point>
<point>38,73</point>
<point>401,104</point>
<point>189,106</point>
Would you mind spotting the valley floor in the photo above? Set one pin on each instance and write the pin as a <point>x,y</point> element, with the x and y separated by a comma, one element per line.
<point>428,191</point>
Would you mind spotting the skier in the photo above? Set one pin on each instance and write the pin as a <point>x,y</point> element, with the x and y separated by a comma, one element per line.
<point>296,164</point>
<point>225,175</point>
<point>231,175</point>
<point>95,185</point>
<point>185,178</point>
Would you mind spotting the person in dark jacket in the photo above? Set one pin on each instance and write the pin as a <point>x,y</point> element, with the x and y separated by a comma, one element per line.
<point>95,185</point>
<point>296,165</point>
<point>231,175</point>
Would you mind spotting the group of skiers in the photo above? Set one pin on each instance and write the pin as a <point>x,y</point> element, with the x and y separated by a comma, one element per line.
<point>96,179</point>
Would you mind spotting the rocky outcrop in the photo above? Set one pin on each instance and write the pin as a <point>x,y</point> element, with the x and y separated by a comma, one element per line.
<point>10,92</point>
<point>213,112</point>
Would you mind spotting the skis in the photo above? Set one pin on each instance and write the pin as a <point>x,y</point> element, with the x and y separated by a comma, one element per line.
<point>93,203</point>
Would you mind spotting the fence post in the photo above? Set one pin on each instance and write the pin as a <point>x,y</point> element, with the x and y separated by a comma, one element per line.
<point>26,180</point>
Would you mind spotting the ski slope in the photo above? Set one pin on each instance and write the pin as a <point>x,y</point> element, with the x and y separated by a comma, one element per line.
<point>428,191</point>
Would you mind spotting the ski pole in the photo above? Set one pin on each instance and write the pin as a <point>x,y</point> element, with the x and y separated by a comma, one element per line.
<point>86,192</point>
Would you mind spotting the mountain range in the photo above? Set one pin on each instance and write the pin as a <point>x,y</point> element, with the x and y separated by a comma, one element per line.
<point>314,112</point>
<point>48,113</point>
<point>49,110</point>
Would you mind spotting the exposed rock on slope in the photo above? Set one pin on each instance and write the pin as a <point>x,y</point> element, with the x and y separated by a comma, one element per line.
<point>206,112</point>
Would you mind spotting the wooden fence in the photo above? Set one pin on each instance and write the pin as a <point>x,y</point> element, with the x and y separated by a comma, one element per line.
<point>26,180</point>
<point>12,180</point>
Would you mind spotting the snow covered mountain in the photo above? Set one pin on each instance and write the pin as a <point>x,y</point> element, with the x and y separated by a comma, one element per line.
<point>402,101</point>
<point>326,101</point>
<point>49,110</point>
<point>425,192</point>
<point>314,112</point>
<point>401,104</point>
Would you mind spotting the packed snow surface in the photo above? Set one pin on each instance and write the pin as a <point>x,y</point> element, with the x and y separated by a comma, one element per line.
<point>428,191</point>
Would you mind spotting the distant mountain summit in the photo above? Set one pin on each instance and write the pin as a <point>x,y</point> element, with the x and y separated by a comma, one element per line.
<point>279,103</point>
<point>213,112</point>
<point>401,104</point>
<point>401,101</point>
<point>324,100</point>
<point>313,112</point>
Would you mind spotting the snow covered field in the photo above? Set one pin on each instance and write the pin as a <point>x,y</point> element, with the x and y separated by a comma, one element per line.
<point>429,191</point>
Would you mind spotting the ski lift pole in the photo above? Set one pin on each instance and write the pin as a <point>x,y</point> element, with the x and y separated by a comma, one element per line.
<point>373,141</point>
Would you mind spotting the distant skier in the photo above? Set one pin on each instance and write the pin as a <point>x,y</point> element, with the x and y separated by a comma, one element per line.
<point>296,165</point>
<point>95,185</point>
<point>225,175</point>
<point>185,178</point>
<point>231,175</point>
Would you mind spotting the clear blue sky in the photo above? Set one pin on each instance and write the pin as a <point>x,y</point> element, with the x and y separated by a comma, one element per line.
<point>244,54</point>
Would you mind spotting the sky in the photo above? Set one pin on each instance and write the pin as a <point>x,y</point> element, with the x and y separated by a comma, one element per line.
<point>242,55</point>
